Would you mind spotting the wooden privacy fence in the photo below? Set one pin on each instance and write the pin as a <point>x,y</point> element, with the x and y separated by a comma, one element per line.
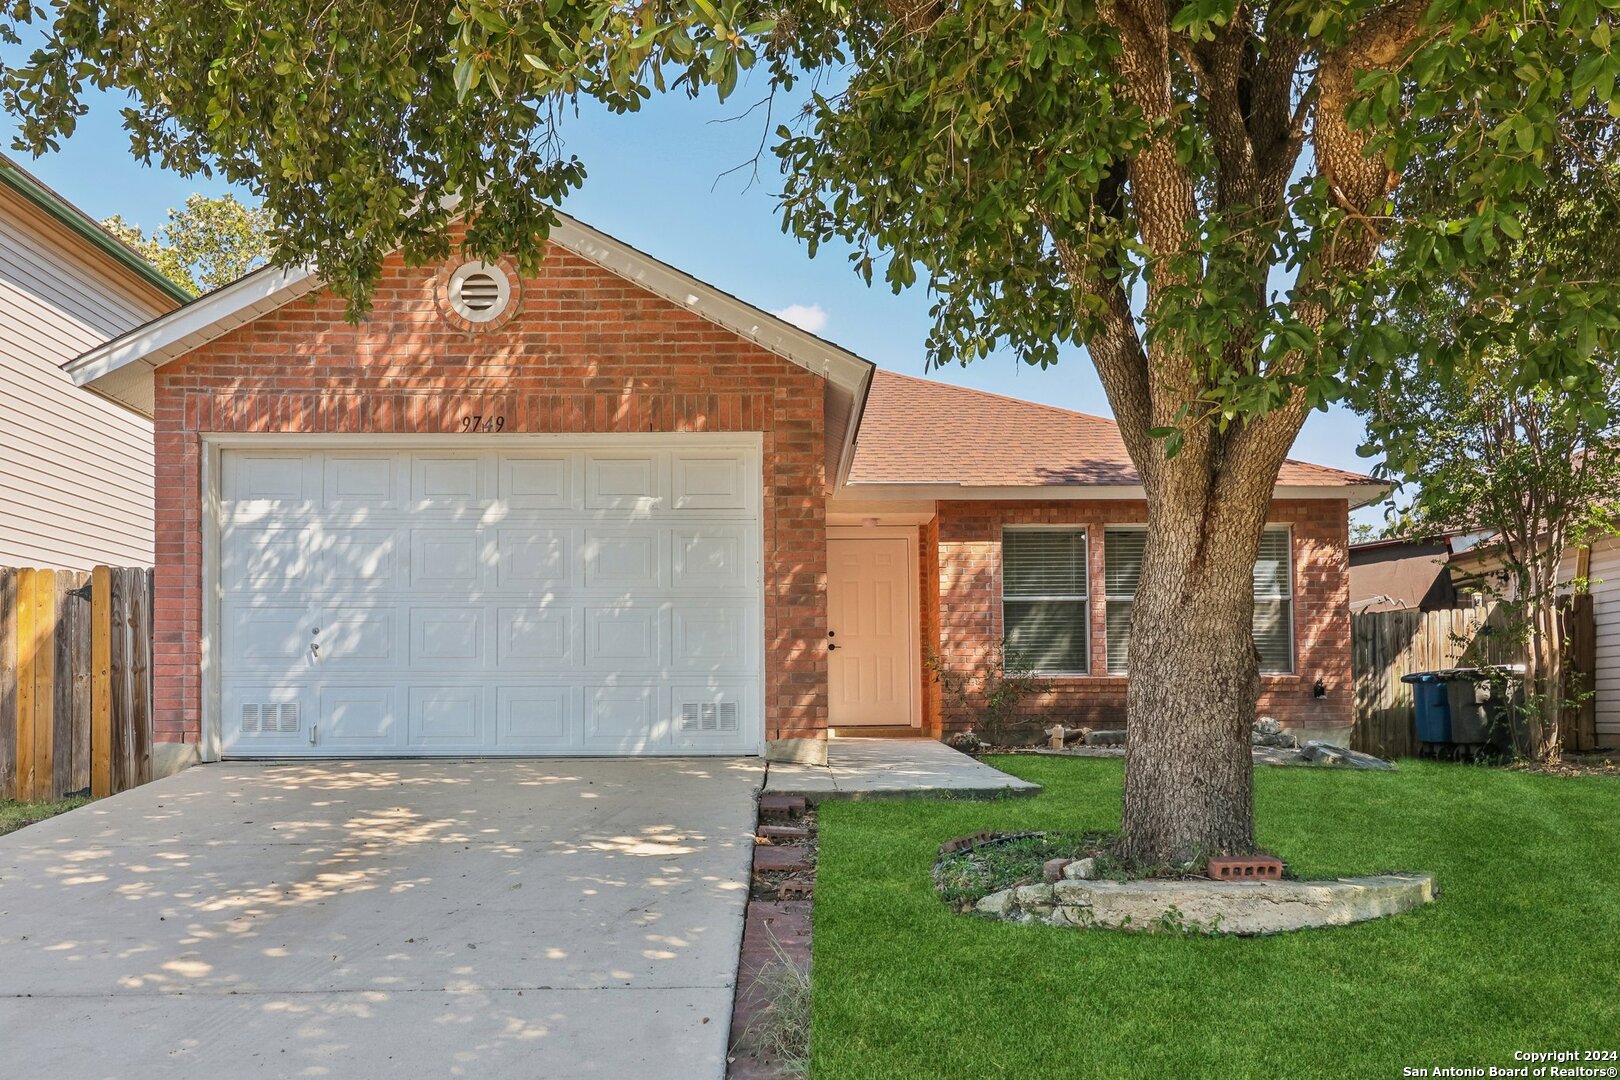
<point>75,681</point>
<point>1388,644</point>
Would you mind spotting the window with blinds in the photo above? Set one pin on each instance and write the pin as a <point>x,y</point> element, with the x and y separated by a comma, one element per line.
<point>1273,596</point>
<point>1274,601</point>
<point>1122,569</point>
<point>1043,598</point>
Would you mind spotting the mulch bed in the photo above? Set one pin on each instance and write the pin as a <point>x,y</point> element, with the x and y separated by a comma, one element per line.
<point>776,925</point>
<point>1574,765</point>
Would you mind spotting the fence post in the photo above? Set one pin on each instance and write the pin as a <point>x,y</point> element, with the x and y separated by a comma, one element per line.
<point>8,683</point>
<point>61,726</point>
<point>78,774</point>
<point>118,671</point>
<point>101,682</point>
<point>27,646</point>
<point>44,679</point>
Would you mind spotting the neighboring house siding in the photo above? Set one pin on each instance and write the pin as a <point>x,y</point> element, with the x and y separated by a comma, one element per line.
<point>586,351</point>
<point>1605,574</point>
<point>970,612</point>
<point>76,481</point>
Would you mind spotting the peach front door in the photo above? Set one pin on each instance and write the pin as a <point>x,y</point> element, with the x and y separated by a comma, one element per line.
<point>872,665</point>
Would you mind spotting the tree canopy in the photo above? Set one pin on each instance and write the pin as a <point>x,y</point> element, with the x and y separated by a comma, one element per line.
<point>999,150</point>
<point>207,243</point>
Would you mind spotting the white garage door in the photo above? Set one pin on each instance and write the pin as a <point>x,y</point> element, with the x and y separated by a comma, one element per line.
<point>555,600</point>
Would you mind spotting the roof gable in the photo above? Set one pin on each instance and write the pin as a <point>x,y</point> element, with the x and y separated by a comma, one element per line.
<point>122,368</point>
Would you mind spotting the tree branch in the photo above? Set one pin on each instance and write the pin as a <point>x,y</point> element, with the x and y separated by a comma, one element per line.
<point>1116,349</point>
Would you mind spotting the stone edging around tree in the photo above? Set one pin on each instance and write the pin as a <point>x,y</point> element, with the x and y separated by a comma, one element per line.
<point>1196,905</point>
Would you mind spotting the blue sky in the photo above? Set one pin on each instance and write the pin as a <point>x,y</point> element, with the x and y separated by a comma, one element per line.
<point>656,181</point>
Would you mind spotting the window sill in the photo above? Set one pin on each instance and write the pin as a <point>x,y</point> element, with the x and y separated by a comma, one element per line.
<point>1086,678</point>
<point>1266,679</point>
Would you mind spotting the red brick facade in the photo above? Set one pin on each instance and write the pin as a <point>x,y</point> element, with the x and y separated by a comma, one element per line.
<point>970,621</point>
<point>585,351</point>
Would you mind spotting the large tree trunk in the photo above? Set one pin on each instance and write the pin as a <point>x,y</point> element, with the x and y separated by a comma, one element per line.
<point>1194,683</point>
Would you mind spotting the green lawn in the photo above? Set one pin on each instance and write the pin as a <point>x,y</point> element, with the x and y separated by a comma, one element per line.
<point>1522,952</point>
<point>14,815</point>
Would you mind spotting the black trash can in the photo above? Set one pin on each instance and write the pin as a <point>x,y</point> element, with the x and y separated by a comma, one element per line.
<point>1481,702</point>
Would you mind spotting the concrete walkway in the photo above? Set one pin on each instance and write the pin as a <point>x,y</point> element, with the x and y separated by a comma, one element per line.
<point>893,768</point>
<point>404,919</point>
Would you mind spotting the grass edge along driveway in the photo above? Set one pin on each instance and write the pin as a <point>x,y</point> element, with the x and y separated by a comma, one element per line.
<point>1521,953</point>
<point>15,815</point>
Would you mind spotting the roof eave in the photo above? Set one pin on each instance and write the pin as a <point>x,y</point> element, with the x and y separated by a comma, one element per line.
<point>87,228</point>
<point>1355,494</point>
<point>186,328</point>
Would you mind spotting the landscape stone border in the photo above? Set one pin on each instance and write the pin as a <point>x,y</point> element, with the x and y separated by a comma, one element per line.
<point>1198,905</point>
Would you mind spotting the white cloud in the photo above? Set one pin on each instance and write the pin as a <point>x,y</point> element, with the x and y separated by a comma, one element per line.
<point>810,317</point>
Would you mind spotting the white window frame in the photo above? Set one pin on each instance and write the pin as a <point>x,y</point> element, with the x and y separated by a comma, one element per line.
<point>1084,600</point>
<point>1114,598</point>
<point>1289,596</point>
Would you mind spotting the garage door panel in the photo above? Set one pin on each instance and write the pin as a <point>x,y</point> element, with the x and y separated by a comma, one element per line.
<point>536,717</point>
<point>620,559</point>
<point>365,635</point>
<point>445,717</point>
<point>356,481</point>
<point>711,639</point>
<point>360,559</point>
<point>266,561</point>
<point>535,481</point>
<point>623,719</point>
<point>524,601</point>
<point>447,560</point>
<point>255,483</point>
<point>622,638</point>
<point>275,635</point>
<point>447,481</point>
<point>447,636</point>
<point>624,481</point>
<point>713,557</point>
<point>530,558</point>
<point>535,638</point>
<point>359,717</point>
<point>715,481</point>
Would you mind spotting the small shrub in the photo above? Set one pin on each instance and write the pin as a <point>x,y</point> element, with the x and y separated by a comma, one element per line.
<point>993,695</point>
<point>965,877</point>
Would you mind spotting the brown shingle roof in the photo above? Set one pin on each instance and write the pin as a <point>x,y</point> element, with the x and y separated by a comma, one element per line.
<point>915,431</point>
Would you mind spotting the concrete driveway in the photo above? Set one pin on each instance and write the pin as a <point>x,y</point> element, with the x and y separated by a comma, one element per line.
<point>403,919</point>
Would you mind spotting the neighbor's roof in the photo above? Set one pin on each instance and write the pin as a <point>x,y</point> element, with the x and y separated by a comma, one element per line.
<point>917,434</point>
<point>27,185</point>
<point>122,368</point>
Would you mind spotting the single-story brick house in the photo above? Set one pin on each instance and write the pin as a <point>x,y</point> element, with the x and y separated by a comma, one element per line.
<point>610,509</point>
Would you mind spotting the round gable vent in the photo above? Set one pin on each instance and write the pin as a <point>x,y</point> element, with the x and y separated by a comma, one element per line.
<point>479,292</point>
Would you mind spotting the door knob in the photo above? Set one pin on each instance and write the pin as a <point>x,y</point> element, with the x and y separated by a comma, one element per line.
<point>831,646</point>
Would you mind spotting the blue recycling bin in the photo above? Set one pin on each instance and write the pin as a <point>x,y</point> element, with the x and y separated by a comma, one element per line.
<point>1432,704</point>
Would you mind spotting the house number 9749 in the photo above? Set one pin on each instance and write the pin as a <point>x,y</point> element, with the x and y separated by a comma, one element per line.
<point>471,424</point>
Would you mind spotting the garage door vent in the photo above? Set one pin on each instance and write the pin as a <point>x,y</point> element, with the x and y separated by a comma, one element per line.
<point>269,718</point>
<point>715,716</point>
